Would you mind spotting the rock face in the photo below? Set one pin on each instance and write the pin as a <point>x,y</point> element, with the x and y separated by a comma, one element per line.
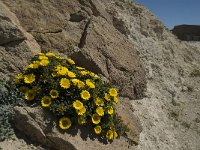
<point>170,111</point>
<point>40,127</point>
<point>16,45</point>
<point>87,27</point>
<point>187,32</point>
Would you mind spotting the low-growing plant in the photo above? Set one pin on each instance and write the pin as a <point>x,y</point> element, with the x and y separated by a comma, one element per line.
<point>9,97</point>
<point>72,93</point>
<point>195,73</point>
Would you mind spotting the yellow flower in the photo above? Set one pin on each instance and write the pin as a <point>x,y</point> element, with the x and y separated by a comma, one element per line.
<point>81,84</point>
<point>84,72</point>
<point>23,89</point>
<point>65,123</point>
<point>42,57</point>
<point>58,57</point>
<point>97,129</point>
<point>46,101</point>
<point>90,83</point>
<point>65,83</point>
<point>62,70</point>
<point>19,77</point>
<point>77,105</point>
<point>81,120</point>
<point>54,93</point>
<point>50,54</point>
<point>58,67</point>
<point>116,100</point>
<point>75,81</point>
<point>100,111</point>
<point>34,65</point>
<point>30,95</point>
<point>70,61</point>
<point>115,135</point>
<point>30,78</point>
<point>94,75</point>
<point>71,74</point>
<point>109,135</point>
<point>80,68</point>
<point>44,62</point>
<point>96,118</point>
<point>113,91</point>
<point>82,111</point>
<point>85,95</point>
<point>107,96</point>
<point>99,101</point>
<point>110,110</point>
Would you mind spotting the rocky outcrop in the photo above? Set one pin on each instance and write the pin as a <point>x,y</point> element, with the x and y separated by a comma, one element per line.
<point>85,31</point>
<point>16,45</point>
<point>40,127</point>
<point>170,111</point>
<point>187,32</point>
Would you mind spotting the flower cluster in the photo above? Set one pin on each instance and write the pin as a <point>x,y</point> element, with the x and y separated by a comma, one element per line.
<point>72,93</point>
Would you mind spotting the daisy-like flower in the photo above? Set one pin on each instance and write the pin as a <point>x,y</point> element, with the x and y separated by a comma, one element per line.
<point>94,75</point>
<point>62,70</point>
<point>98,101</point>
<point>58,67</point>
<point>100,111</point>
<point>30,78</point>
<point>46,101</point>
<point>81,111</point>
<point>90,83</point>
<point>71,74</point>
<point>96,119</point>
<point>97,129</point>
<point>65,83</point>
<point>110,110</point>
<point>115,135</point>
<point>44,62</point>
<point>49,54</point>
<point>19,77</point>
<point>80,68</point>
<point>107,96</point>
<point>30,95</point>
<point>81,84</point>
<point>34,65</point>
<point>84,72</point>
<point>113,92</point>
<point>75,81</point>
<point>70,61</point>
<point>65,123</point>
<point>116,100</point>
<point>54,94</point>
<point>77,105</point>
<point>109,135</point>
<point>42,57</point>
<point>85,95</point>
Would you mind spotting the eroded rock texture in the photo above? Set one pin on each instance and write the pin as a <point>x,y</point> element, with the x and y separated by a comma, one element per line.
<point>84,26</point>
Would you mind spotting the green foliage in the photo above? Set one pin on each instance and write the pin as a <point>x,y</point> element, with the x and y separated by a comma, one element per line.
<point>73,94</point>
<point>195,73</point>
<point>9,97</point>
